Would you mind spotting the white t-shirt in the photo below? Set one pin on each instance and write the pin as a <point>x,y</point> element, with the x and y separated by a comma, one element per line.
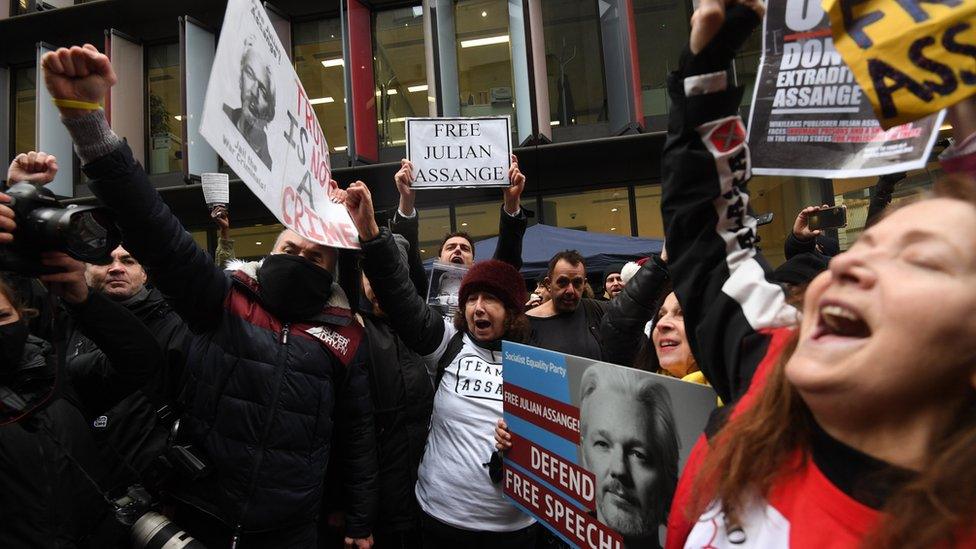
<point>453,485</point>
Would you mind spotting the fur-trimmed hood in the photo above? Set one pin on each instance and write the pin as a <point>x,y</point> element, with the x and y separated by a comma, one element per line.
<point>338,298</point>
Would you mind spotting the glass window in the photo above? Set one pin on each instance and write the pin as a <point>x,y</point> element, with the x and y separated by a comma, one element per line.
<point>484,58</point>
<point>165,108</point>
<point>602,211</point>
<point>856,195</point>
<point>400,70</point>
<point>254,242</point>
<point>31,6</point>
<point>649,221</point>
<point>574,64</point>
<point>662,32</point>
<point>434,224</point>
<point>319,64</point>
<point>480,219</point>
<point>25,110</point>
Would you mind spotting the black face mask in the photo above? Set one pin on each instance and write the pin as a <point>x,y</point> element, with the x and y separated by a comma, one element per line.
<point>13,337</point>
<point>293,287</point>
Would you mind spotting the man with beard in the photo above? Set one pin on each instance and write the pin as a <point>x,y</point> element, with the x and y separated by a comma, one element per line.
<point>568,322</point>
<point>275,384</point>
<point>257,108</point>
<point>613,282</point>
<point>628,442</point>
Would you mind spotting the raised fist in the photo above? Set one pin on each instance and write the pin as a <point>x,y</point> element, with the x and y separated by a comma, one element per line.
<point>359,204</point>
<point>404,177</point>
<point>38,168</point>
<point>78,73</point>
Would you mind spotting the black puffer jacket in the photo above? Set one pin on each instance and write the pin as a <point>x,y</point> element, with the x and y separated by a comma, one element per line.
<point>622,327</point>
<point>129,434</point>
<point>50,470</point>
<point>265,400</point>
<point>403,398</point>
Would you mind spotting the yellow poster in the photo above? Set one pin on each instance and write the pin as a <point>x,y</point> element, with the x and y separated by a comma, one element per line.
<point>911,57</point>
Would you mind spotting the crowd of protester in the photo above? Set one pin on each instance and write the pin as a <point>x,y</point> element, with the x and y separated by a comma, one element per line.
<point>275,403</point>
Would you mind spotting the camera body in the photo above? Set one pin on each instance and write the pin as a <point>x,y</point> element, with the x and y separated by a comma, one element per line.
<point>149,529</point>
<point>86,233</point>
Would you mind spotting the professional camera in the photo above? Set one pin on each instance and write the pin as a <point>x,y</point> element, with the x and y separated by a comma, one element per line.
<point>150,530</point>
<point>86,233</point>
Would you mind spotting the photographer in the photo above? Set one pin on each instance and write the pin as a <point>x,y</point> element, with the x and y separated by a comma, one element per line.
<point>53,492</point>
<point>128,433</point>
<point>275,380</point>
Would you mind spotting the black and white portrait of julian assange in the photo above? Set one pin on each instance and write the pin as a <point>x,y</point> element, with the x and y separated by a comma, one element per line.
<point>628,441</point>
<point>257,108</point>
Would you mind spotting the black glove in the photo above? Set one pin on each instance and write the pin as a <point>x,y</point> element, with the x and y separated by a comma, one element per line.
<point>717,56</point>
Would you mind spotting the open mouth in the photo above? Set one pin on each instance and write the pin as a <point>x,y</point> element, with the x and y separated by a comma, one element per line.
<point>668,343</point>
<point>482,324</point>
<point>842,321</point>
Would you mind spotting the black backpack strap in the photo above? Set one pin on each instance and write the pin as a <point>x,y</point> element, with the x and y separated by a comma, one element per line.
<point>453,348</point>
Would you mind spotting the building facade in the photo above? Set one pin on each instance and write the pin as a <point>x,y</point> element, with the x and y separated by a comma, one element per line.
<point>582,80</point>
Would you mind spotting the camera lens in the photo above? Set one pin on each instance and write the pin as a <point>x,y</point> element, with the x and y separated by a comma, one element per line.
<point>89,234</point>
<point>86,234</point>
<point>154,531</point>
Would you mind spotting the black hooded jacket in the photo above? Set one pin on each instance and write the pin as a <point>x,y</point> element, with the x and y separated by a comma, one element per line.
<point>267,402</point>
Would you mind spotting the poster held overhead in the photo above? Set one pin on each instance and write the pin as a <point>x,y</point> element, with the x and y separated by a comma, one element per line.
<point>810,117</point>
<point>216,189</point>
<point>258,117</point>
<point>572,421</point>
<point>895,49</point>
<point>445,284</point>
<point>452,153</point>
<point>196,60</point>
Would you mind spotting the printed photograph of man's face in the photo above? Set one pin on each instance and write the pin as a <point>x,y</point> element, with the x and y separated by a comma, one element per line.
<point>628,442</point>
<point>257,108</point>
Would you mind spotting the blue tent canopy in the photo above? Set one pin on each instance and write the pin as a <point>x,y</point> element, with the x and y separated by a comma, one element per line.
<point>541,242</point>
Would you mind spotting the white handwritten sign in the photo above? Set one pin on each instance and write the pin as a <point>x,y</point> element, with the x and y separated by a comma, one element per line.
<point>459,152</point>
<point>259,119</point>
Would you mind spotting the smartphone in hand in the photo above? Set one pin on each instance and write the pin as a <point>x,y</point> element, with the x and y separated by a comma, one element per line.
<point>828,218</point>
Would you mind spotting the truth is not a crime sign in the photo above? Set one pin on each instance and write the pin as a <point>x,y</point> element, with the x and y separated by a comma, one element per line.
<point>459,152</point>
<point>260,120</point>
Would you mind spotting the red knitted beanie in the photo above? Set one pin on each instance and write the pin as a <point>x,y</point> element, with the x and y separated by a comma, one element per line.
<point>498,279</point>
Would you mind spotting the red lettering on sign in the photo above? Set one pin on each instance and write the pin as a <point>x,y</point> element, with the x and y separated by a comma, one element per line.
<point>556,417</point>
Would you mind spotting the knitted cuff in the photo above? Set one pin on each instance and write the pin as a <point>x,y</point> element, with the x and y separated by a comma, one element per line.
<point>92,136</point>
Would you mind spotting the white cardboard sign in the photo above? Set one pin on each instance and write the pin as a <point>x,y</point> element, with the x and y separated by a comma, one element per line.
<point>450,153</point>
<point>216,188</point>
<point>258,118</point>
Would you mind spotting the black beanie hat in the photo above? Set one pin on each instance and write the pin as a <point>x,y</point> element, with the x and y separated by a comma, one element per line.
<point>497,278</point>
<point>611,269</point>
<point>800,269</point>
